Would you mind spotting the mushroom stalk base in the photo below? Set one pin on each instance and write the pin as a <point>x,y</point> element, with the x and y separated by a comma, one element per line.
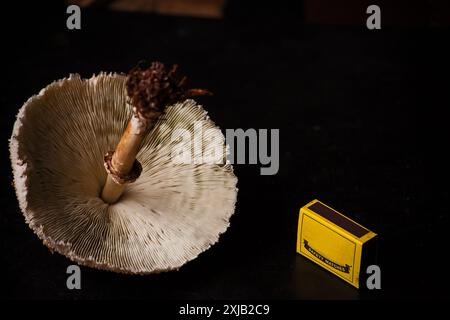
<point>112,191</point>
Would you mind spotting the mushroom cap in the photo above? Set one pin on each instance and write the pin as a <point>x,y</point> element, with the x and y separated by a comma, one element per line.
<point>171,214</point>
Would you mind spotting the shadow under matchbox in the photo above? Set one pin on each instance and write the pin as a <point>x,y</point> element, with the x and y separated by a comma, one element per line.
<point>334,241</point>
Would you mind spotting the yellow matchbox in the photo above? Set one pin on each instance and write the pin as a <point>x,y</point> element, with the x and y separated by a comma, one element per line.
<point>333,241</point>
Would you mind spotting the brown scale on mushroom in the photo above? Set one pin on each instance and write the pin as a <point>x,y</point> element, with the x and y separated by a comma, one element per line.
<point>151,89</point>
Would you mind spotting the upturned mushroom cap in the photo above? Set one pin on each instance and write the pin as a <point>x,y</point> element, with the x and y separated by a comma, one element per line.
<point>171,214</point>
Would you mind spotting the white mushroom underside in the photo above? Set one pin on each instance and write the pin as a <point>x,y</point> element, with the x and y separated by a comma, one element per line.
<point>172,213</point>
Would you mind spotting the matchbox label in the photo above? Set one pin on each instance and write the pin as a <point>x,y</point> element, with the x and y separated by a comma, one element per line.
<point>345,269</point>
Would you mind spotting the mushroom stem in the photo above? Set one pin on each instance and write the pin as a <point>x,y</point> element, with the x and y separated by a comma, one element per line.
<point>128,147</point>
<point>112,190</point>
<point>123,159</point>
<point>149,91</point>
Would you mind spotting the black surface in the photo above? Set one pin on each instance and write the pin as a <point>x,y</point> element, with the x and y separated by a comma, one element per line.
<point>363,128</point>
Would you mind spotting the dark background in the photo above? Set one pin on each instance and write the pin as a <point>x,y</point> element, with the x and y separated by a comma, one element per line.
<point>363,128</point>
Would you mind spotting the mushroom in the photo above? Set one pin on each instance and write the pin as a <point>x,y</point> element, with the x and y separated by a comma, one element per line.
<point>170,213</point>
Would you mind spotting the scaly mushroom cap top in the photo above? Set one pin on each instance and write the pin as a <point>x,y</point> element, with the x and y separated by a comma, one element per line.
<point>172,213</point>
